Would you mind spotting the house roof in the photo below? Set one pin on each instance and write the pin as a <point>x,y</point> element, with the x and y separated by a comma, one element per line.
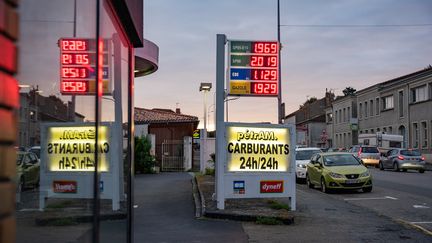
<point>143,116</point>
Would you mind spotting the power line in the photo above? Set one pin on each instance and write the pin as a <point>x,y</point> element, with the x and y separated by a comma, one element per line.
<point>355,25</point>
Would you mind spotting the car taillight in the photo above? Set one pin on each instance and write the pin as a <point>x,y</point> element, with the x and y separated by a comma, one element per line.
<point>359,152</point>
<point>422,158</point>
<point>401,157</point>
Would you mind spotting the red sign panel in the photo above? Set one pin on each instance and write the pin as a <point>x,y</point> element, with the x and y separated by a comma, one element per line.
<point>271,186</point>
<point>65,186</point>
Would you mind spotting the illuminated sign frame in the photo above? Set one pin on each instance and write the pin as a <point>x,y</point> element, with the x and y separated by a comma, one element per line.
<point>72,148</point>
<point>253,68</point>
<point>258,148</point>
<point>78,66</point>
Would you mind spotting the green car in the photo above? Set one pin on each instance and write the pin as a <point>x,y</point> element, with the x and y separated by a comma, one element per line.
<point>337,171</point>
<point>28,166</point>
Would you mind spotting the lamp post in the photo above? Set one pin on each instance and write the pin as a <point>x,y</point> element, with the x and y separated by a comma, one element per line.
<point>205,87</point>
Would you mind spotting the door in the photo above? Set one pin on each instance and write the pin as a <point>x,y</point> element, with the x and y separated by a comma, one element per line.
<point>314,169</point>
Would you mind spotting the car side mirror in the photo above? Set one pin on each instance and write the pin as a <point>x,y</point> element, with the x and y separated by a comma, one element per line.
<point>318,164</point>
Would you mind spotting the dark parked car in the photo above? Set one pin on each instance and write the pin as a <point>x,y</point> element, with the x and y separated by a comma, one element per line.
<point>403,159</point>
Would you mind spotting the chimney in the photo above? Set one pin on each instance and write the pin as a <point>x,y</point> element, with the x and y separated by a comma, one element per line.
<point>178,111</point>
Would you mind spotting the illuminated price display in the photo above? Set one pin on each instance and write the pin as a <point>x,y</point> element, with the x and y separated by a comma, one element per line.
<point>253,69</point>
<point>78,66</point>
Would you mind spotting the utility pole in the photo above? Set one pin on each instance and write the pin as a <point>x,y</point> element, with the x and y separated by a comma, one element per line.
<point>280,113</point>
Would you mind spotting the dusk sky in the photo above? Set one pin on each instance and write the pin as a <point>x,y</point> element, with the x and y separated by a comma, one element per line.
<point>318,51</point>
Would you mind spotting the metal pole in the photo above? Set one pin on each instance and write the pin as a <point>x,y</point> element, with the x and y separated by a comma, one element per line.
<point>220,140</point>
<point>279,68</point>
<point>205,113</point>
<point>73,100</point>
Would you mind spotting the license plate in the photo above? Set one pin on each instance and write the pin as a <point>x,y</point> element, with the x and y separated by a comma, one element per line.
<point>352,181</point>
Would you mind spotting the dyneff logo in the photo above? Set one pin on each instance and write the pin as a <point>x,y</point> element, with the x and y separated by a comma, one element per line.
<point>65,186</point>
<point>271,186</point>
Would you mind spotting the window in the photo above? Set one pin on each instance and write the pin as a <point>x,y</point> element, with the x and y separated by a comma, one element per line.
<point>388,102</point>
<point>366,131</point>
<point>360,110</point>
<point>419,94</point>
<point>336,117</point>
<point>424,132</point>
<point>415,135</point>
<point>371,108</point>
<point>377,108</point>
<point>349,114</point>
<point>390,130</point>
<point>366,109</point>
<point>344,115</point>
<point>329,117</point>
<point>384,130</point>
<point>401,103</point>
<point>372,131</point>
<point>340,115</point>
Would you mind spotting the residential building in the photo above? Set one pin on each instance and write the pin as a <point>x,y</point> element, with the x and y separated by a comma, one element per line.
<point>342,123</point>
<point>310,121</point>
<point>403,106</point>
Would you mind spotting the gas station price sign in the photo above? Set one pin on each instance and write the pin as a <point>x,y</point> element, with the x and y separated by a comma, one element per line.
<point>78,66</point>
<point>253,68</point>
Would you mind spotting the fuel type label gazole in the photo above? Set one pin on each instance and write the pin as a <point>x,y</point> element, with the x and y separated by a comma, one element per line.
<point>257,149</point>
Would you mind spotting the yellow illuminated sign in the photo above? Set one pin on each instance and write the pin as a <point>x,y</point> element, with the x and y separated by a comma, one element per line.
<point>239,87</point>
<point>257,149</point>
<point>73,148</point>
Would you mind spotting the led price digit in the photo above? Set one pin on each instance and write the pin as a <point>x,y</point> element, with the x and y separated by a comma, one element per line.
<point>75,72</point>
<point>74,45</point>
<point>264,74</point>
<point>264,88</point>
<point>265,47</point>
<point>74,86</point>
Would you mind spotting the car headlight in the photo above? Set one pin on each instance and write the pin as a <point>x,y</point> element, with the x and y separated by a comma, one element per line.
<point>365,174</point>
<point>301,165</point>
<point>336,175</point>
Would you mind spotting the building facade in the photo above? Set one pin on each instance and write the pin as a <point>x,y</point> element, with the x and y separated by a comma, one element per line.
<point>342,123</point>
<point>400,106</point>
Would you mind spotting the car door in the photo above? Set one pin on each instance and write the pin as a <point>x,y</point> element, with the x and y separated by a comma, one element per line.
<point>316,169</point>
<point>385,159</point>
<point>34,168</point>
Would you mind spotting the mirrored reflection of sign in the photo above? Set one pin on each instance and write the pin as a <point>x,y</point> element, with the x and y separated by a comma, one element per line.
<point>64,186</point>
<point>257,149</point>
<point>72,148</point>
<point>239,187</point>
<point>78,66</point>
<point>271,186</point>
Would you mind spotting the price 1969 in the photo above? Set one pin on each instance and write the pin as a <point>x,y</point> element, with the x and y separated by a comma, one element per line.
<point>260,163</point>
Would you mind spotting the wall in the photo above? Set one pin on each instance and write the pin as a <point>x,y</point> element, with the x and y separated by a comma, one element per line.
<point>9,103</point>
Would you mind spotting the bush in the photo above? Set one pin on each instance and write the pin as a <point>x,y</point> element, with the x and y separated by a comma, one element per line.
<point>144,161</point>
<point>277,205</point>
<point>268,221</point>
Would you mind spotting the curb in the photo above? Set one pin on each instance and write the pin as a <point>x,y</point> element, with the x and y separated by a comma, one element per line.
<point>53,220</point>
<point>199,211</point>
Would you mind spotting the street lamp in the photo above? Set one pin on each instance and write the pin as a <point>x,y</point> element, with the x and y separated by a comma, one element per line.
<point>205,87</point>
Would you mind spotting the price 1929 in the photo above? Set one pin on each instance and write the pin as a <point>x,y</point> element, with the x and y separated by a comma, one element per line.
<point>260,163</point>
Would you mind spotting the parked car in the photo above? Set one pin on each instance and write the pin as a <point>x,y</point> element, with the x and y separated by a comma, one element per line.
<point>403,159</point>
<point>28,166</point>
<point>36,150</point>
<point>370,155</point>
<point>303,156</point>
<point>338,171</point>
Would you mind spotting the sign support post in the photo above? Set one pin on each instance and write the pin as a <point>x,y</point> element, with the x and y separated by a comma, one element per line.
<point>220,128</point>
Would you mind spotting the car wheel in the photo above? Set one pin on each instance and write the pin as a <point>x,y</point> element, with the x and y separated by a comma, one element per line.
<point>404,170</point>
<point>421,171</point>
<point>323,186</point>
<point>381,166</point>
<point>367,189</point>
<point>396,166</point>
<point>308,182</point>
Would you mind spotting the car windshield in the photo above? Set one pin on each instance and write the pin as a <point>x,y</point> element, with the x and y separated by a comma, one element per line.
<point>370,150</point>
<point>35,151</point>
<point>340,160</point>
<point>19,158</point>
<point>306,154</point>
<point>410,152</point>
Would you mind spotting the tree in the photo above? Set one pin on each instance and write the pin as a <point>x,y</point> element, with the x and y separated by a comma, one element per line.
<point>309,101</point>
<point>144,161</point>
<point>349,91</point>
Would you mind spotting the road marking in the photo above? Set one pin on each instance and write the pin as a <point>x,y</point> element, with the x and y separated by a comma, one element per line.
<point>421,222</point>
<point>135,206</point>
<point>370,198</point>
<point>415,225</point>
<point>29,210</point>
<point>420,206</point>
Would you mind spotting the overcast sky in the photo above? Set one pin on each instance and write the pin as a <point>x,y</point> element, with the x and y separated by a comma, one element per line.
<point>313,58</point>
